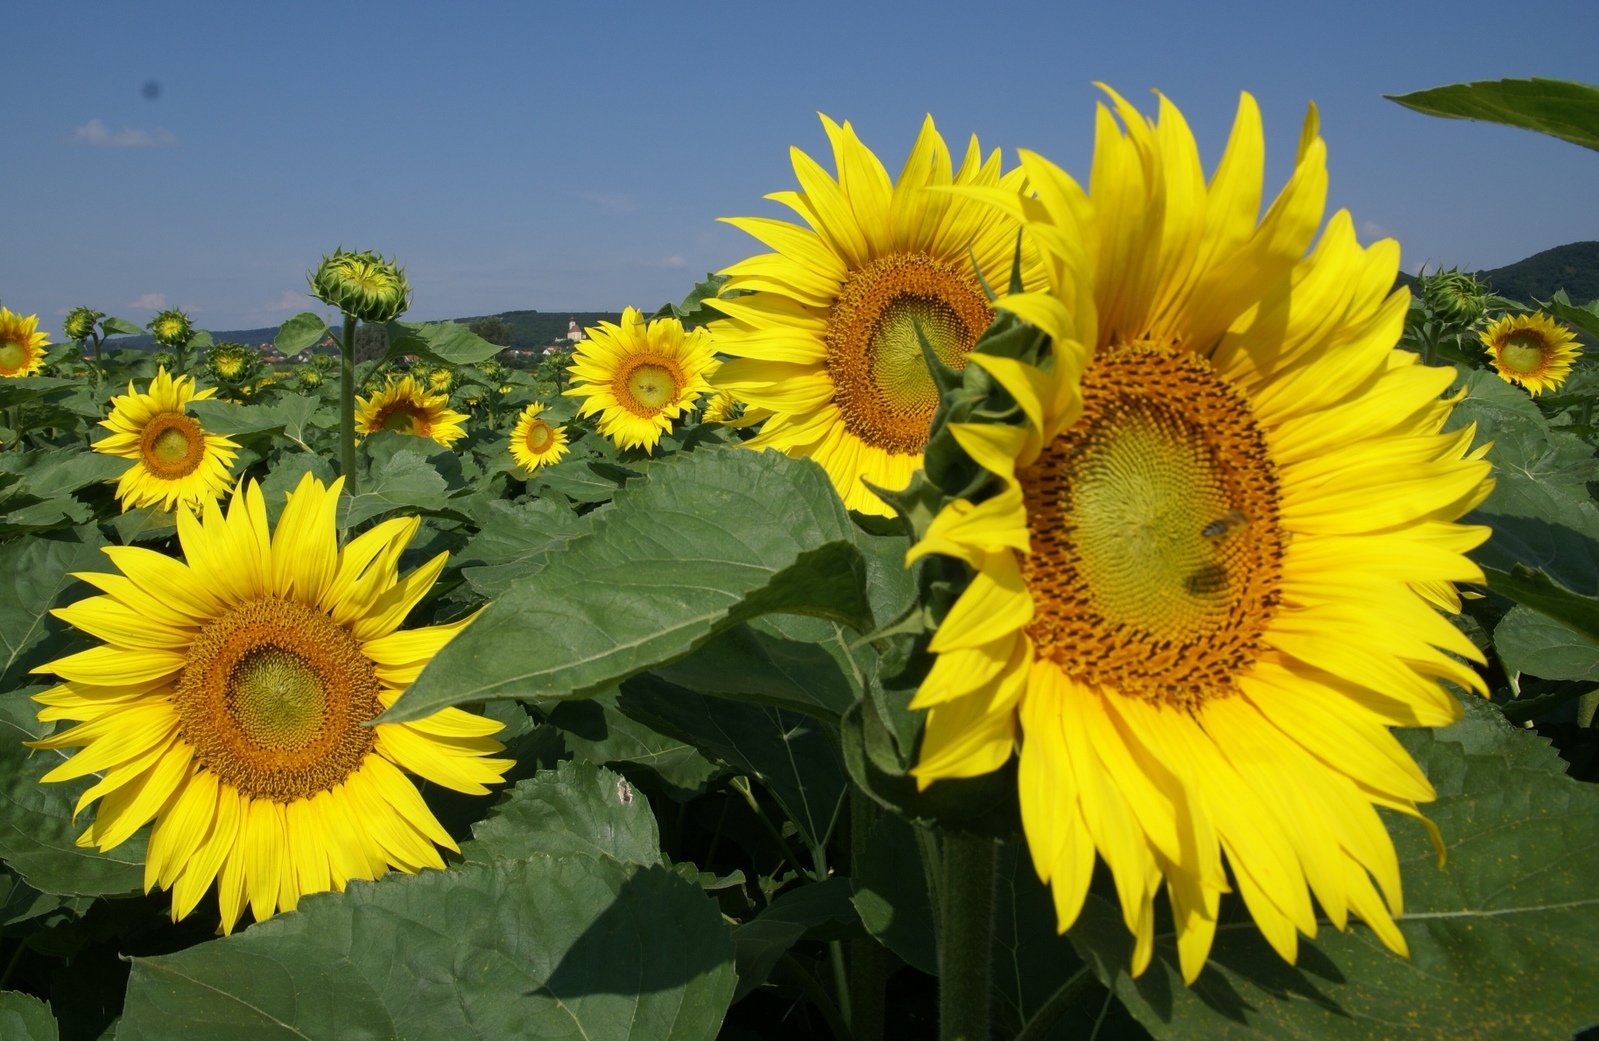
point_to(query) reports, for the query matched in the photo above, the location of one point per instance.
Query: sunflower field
(1011, 603)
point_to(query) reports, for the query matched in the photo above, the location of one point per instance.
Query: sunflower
(171, 329)
(175, 460)
(404, 405)
(21, 344)
(825, 345)
(230, 704)
(1533, 350)
(639, 376)
(1194, 599)
(534, 443)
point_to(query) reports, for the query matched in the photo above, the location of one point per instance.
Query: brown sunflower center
(538, 436)
(648, 386)
(13, 355)
(1524, 352)
(881, 383)
(172, 446)
(1157, 551)
(273, 698)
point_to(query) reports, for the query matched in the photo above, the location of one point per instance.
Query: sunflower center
(404, 419)
(648, 387)
(881, 382)
(12, 355)
(538, 435)
(1523, 352)
(1156, 545)
(172, 446)
(273, 697)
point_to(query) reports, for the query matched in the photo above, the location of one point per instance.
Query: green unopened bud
(309, 377)
(80, 323)
(1455, 298)
(324, 363)
(171, 329)
(441, 380)
(232, 363)
(164, 359)
(491, 369)
(361, 284)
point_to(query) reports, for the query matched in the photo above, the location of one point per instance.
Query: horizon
(578, 159)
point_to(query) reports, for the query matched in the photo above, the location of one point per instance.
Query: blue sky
(576, 156)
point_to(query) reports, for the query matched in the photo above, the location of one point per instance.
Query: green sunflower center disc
(1156, 545)
(273, 697)
(402, 419)
(538, 435)
(874, 357)
(172, 446)
(650, 388)
(12, 355)
(1523, 352)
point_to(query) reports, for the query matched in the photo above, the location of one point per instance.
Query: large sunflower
(21, 344)
(1533, 350)
(825, 345)
(639, 376)
(230, 700)
(534, 443)
(405, 405)
(174, 459)
(1195, 576)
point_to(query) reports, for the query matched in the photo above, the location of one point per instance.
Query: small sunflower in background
(21, 344)
(1532, 350)
(174, 459)
(441, 380)
(1194, 615)
(232, 363)
(171, 329)
(534, 443)
(639, 376)
(825, 343)
(231, 699)
(80, 323)
(405, 405)
(721, 407)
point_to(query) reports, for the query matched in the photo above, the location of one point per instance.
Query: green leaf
(1531, 642)
(893, 893)
(597, 731)
(545, 947)
(1560, 108)
(762, 940)
(25, 1018)
(288, 415)
(37, 836)
(50, 472)
(120, 327)
(577, 809)
(513, 542)
(1501, 940)
(404, 482)
(34, 573)
(749, 665)
(700, 544)
(444, 343)
(790, 754)
(295, 335)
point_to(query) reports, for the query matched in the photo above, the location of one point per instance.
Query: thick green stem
(868, 961)
(347, 407)
(965, 943)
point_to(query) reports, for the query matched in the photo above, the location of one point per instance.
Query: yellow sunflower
(1194, 605)
(174, 459)
(405, 405)
(824, 347)
(534, 443)
(639, 376)
(21, 344)
(230, 700)
(1533, 350)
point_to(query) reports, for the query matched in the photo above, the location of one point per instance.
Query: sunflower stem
(966, 908)
(868, 961)
(347, 406)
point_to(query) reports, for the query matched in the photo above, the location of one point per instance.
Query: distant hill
(528, 328)
(1573, 267)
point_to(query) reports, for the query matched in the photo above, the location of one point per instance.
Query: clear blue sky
(576, 156)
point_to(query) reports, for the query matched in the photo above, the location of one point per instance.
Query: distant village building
(573, 333)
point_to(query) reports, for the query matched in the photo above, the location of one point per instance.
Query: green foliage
(1569, 111)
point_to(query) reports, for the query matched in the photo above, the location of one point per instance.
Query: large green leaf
(405, 482)
(567, 947)
(703, 542)
(513, 542)
(1560, 108)
(749, 664)
(577, 809)
(25, 1018)
(49, 472)
(597, 731)
(34, 573)
(299, 332)
(445, 343)
(762, 940)
(1532, 642)
(37, 834)
(1501, 940)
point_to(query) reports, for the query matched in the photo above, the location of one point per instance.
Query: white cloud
(150, 302)
(1371, 231)
(291, 300)
(95, 132)
(672, 262)
(610, 203)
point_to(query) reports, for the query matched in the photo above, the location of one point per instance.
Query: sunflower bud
(171, 329)
(310, 378)
(491, 369)
(1455, 298)
(164, 360)
(80, 323)
(441, 380)
(232, 363)
(361, 284)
